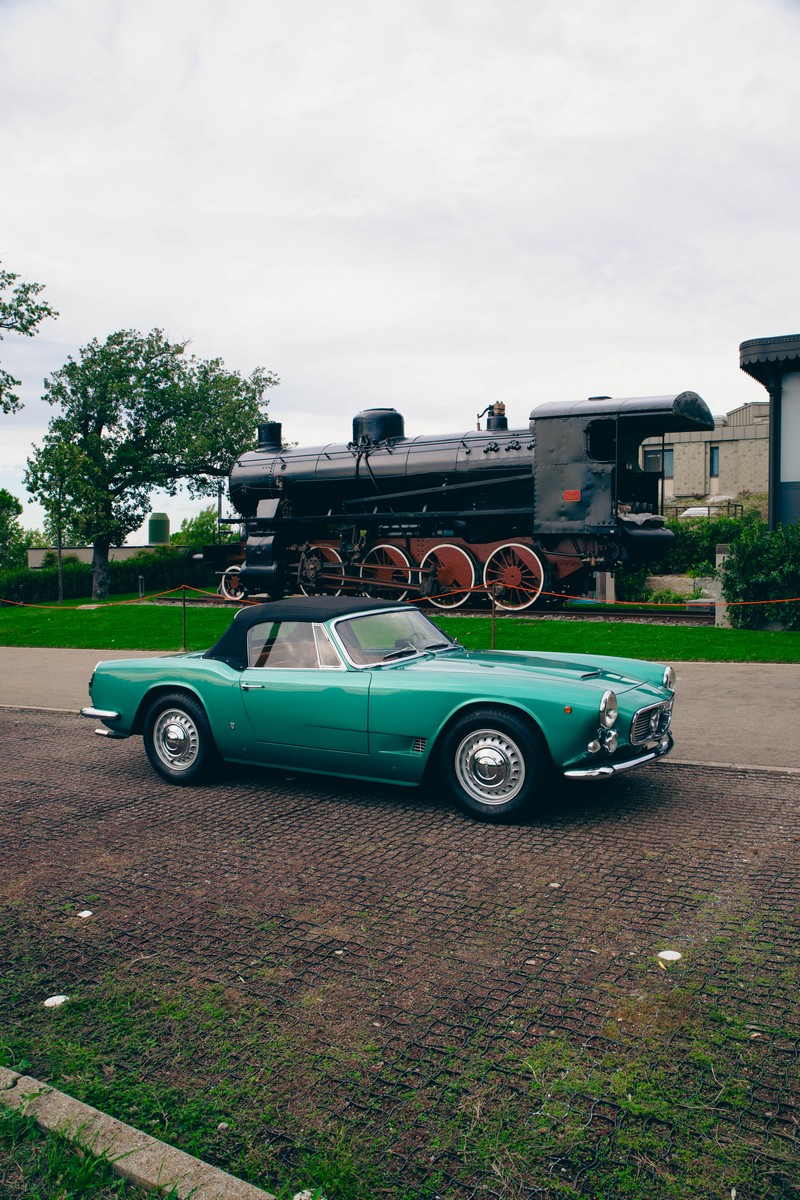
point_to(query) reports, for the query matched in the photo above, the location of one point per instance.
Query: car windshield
(384, 637)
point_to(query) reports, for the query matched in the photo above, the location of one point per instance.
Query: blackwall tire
(178, 740)
(496, 764)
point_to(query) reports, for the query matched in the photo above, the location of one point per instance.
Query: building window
(652, 461)
(713, 461)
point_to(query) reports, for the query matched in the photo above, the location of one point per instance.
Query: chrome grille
(650, 724)
(419, 745)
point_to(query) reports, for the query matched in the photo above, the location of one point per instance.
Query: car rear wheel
(178, 739)
(496, 764)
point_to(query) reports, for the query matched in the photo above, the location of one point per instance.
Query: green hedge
(162, 569)
(695, 544)
(36, 587)
(763, 565)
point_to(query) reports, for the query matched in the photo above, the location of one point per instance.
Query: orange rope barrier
(110, 603)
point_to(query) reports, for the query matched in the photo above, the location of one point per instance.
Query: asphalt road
(731, 714)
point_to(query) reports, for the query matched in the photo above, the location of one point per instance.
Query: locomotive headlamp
(669, 678)
(609, 709)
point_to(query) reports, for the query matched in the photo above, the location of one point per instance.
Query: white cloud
(430, 204)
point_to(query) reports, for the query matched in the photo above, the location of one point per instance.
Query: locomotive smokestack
(269, 436)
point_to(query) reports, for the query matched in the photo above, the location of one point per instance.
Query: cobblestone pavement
(354, 914)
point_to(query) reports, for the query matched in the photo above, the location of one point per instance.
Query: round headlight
(609, 709)
(669, 678)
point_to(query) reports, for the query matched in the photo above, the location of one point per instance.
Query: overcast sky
(427, 204)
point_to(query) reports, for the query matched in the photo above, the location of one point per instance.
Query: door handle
(253, 687)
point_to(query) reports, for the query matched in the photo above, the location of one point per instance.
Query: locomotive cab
(587, 476)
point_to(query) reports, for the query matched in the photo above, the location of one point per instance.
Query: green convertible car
(371, 689)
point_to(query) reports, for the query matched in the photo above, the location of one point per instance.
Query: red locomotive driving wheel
(386, 573)
(453, 575)
(320, 570)
(515, 574)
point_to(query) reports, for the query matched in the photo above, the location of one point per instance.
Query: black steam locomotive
(525, 513)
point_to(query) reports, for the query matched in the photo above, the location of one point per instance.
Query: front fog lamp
(609, 709)
(669, 678)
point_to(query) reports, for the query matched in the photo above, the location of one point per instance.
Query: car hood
(600, 671)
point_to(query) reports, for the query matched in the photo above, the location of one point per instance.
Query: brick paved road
(418, 928)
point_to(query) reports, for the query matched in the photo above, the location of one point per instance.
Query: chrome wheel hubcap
(490, 767)
(176, 739)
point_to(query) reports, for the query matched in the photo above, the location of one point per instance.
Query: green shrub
(161, 569)
(763, 566)
(39, 586)
(694, 544)
(630, 582)
(666, 596)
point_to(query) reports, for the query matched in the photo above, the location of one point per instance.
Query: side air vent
(419, 745)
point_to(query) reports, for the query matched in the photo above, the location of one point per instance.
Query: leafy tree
(20, 312)
(138, 413)
(54, 475)
(201, 530)
(14, 540)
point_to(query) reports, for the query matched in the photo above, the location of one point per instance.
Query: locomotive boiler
(527, 514)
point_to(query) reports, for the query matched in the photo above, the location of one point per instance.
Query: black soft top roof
(232, 646)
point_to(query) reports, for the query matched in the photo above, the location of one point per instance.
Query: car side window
(328, 657)
(283, 645)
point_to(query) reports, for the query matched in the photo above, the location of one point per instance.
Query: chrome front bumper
(100, 714)
(608, 769)
(104, 714)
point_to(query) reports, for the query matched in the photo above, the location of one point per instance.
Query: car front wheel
(178, 739)
(496, 764)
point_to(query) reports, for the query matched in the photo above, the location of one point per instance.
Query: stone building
(733, 458)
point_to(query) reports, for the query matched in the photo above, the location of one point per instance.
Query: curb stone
(145, 1161)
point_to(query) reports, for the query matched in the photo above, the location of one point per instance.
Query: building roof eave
(767, 358)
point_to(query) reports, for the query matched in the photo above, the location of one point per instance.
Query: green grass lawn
(144, 626)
